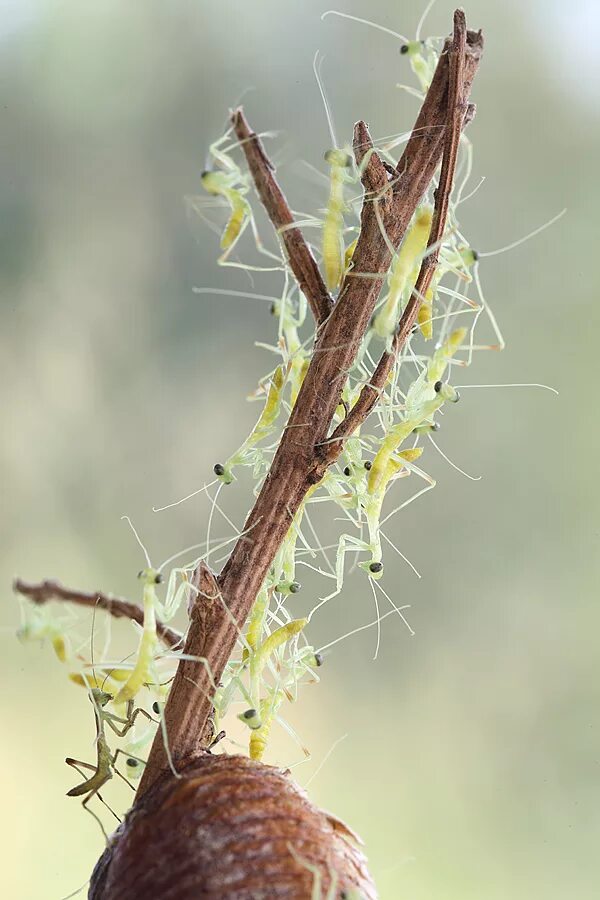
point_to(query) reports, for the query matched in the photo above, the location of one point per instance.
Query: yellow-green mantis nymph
(340, 163)
(425, 396)
(403, 274)
(38, 623)
(422, 54)
(226, 181)
(142, 670)
(149, 638)
(247, 454)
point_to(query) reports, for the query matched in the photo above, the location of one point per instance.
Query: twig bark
(299, 461)
(460, 114)
(47, 590)
(302, 262)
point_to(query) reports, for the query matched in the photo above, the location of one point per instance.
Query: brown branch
(116, 606)
(301, 260)
(459, 113)
(390, 199)
(185, 717)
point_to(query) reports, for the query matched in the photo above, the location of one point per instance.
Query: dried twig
(299, 461)
(459, 114)
(302, 262)
(116, 606)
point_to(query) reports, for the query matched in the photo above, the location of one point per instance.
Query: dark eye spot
(133, 763)
(368, 465)
(218, 469)
(294, 587)
(318, 659)
(156, 708)
(404, 49)
(438, 386)
(250, 714)
(475, 255)
(141, 573)
(158, 579)
(376, 567)
(347, 471)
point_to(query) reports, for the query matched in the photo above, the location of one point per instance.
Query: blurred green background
(471, 765)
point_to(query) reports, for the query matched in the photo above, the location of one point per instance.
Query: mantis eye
(376, 567)
(318, 659)
(294, 587)
(132, 763)
(251, 718)
(404, 49)
(438, 386)
(158, 579)
(218, 469)
(368, 465)
(347, 471)
(156, 708)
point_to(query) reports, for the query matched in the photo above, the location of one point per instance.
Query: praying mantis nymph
(222, 184)
(333, 248)
(247, 453)
(421, 53)
(105, 758)
(423, 60)
(427, 394)
(38, 624)
(258, 659)
(340, 163)
(227, 181)
(403, 274)
(148, 641)
(289, 674)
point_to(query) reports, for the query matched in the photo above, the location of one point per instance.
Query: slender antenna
(334, 12)
(317, 63)
(526, 238)
(138, 539)
(546, 387)
(426, 12)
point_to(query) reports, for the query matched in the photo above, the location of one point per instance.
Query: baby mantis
(228, 182)
(141, 672)
(424, 398)
(422, 54)
(403, 274)
(148, 641)
(38, 624)
(340, 162)
(105, 758)
(247, 455)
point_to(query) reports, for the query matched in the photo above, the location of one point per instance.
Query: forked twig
(118, 607)
(304, 451)
(459, 114)
(302, 262)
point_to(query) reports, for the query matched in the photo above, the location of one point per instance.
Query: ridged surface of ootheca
(231, 829)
